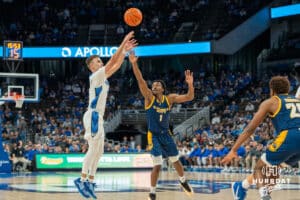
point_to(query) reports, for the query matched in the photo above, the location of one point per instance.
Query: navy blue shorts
(285, 148)
(162, 144)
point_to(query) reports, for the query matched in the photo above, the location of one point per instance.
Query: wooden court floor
(131, 185)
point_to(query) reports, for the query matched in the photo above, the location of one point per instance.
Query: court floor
(132, 185)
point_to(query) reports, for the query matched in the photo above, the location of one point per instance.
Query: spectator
(18, 156)
(249, 107)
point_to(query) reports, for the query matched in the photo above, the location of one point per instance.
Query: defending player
(283, 109)
(157, 106)
(93, 117)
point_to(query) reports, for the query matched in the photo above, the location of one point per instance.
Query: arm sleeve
(98, 77)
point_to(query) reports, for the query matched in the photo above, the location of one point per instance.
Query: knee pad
(173, 158)
(157, 160)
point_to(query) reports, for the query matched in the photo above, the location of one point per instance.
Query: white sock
(245, 184)
(152, 190)
(263, 191)
(182, 179)
(83, 179)
(91, 180)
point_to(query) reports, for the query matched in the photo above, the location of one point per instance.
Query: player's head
(279, 85)
(94, 63)
(158, 87)
(297, 71)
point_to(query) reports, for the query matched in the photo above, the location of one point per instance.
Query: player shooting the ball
(93, 117)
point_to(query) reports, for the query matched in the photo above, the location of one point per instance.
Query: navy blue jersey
(158, 115)
(287, 116)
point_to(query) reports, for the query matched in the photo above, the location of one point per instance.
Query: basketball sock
(245, 184)
(83, 179)
(263, 191)
(91, 180)
(182, 179)
(152, 190)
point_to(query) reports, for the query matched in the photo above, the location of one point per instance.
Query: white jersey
(99, 87)
(298, 93)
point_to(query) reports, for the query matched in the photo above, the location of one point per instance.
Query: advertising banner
(5, 165)
(74, 161)
(66, 52)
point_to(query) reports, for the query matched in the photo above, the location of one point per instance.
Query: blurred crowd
(44, 22)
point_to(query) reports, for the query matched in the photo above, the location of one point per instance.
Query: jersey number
(160, 117)
(295, 109)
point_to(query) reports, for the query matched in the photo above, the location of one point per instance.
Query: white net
(19, 103)
(19, 99)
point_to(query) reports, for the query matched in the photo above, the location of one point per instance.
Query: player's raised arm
(117, 59)
(189, 96)
(146, 92)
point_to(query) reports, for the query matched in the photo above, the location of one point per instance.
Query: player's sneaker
(187, 188)
(81, 188)
(90, 188)
(239, 193)
(152, 196)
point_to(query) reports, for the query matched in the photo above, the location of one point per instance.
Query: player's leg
(171, 150)
(280, 151)
(156, 154)
(87, 161)
(98, 145)
(88, 158)
(239, 189)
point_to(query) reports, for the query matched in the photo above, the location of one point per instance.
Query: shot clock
(13, 50)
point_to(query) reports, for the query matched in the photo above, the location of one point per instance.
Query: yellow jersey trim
(163, 99)
(149, 139)
(278, 108)
(278, 141)
(168, 102)
(151, 103)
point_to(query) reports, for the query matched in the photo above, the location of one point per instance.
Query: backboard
(23, 84)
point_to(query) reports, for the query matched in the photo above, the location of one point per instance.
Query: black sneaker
(152, 196)
(187, 188)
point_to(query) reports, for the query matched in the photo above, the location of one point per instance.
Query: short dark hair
(163, 84)
(280, 84)
(89, 59)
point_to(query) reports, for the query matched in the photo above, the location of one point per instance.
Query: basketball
(133, 17)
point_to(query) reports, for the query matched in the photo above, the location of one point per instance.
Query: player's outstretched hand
(132, 57)
(189, 77)
(129, 45)
(231, 155)
(128, 37)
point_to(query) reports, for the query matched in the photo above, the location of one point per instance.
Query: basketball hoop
(19, 99)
